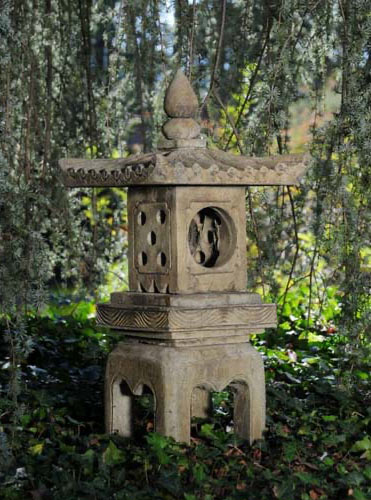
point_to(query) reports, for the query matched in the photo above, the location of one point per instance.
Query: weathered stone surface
(207, 318)
(163, 256)
(186, 166)
(180, 99)
(193, 300)
(173, 374)
(166, 145)
(181, 128)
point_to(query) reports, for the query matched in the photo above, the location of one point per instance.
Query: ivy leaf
(207, 430)
(113, 455)
(159, 443)
(363, 445)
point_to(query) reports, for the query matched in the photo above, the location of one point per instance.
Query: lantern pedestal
(181, 379)
(182, 347)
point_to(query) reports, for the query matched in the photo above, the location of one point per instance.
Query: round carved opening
(211, 237)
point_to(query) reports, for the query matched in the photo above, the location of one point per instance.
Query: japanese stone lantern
(187, 317)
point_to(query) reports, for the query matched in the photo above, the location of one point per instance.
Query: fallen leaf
(233, 452)
(313, 495)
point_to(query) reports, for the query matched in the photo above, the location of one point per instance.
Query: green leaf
(88, 461)
(329, 461)
(290, 450)
(333, 439)
(25, 420)
(358, 495)
(159, 443)
(367, 472)
(199, 472)
(355, 478)
(207, 430)
(362, 445)
(113, 455)
(306, 478)
(329, 418)
(362, 375)
(36, 449)
(157, 440)
(285, 325)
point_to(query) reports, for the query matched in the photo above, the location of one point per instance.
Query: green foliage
(317, 444)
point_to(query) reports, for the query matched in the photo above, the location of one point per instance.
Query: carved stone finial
(180, 99)
(181, 105)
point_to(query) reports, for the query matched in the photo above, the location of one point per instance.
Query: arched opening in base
(227, 410)
(133, 412)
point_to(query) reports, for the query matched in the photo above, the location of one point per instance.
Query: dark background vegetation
(86, 78)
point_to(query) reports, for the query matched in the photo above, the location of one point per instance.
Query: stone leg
(122, 409)
(249, 401)
(201, 403)
(125, 377)
(173, 415)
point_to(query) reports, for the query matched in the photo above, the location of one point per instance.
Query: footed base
(181, 380)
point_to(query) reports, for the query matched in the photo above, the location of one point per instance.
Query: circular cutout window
(211, 237)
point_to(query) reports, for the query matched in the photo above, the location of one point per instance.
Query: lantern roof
(183, 158)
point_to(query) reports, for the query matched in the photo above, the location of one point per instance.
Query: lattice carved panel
(152, 238)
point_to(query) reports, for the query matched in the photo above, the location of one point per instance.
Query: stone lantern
(187, 317)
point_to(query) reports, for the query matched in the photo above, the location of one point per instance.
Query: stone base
(181, 380)
(187, 319)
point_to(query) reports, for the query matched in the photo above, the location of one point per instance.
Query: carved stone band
(158, 319)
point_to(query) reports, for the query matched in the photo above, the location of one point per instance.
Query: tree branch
(251, 85)
(293, 264)
(190, 55)
(217, 56)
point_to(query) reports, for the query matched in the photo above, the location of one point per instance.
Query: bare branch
(229, 118)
